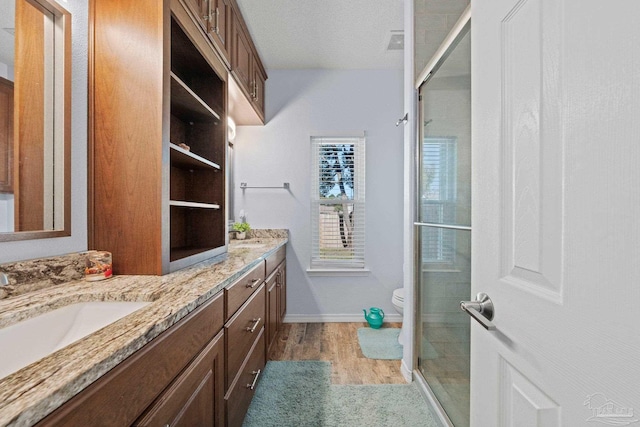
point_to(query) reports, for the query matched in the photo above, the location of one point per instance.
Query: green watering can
(375, 317)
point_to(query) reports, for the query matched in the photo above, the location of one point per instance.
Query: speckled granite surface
(35, 391)
(31, 275)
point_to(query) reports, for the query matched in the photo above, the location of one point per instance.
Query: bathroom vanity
(192, 355)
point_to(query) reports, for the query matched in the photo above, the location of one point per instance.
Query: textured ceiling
(324, 34)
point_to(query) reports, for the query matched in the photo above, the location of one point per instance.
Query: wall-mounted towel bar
(244, 185)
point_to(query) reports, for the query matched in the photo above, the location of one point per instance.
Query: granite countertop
(30, 394)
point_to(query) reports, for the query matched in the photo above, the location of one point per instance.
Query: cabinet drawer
(236, 294)
(238, 399)
(242, 331)
(121, 395)
(275, 259)
(196, 397)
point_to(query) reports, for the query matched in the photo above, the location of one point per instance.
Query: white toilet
(398, 303)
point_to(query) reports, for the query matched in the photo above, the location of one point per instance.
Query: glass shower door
(443, 232)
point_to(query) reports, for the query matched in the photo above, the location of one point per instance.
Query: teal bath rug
(380, 343)
(300, 394)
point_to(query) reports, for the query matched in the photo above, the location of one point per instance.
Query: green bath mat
(380, 343)
(300, 394)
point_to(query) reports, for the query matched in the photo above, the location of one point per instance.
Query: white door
(556, 212)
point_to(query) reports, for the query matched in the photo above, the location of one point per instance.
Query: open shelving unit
(197, 175)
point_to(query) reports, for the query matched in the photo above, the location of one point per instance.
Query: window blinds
(338, 202)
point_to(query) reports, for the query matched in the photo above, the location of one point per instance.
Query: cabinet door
(282, 287)
(219, 28)
(257, 96)
(273, 295)
(196, 398)
(242, 57)
(200, 9)
(242, 390)
(6, 136)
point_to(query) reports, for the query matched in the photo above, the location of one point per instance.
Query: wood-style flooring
(337, 343)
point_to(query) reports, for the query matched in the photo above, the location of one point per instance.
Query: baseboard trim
(332, 318)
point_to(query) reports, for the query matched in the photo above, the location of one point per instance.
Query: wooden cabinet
(6, 136)
(242, 331)
(243, 388)
(238, 292)
(242, 58)
(196, 397)
(276, 285)
(139, 382)
(259, 78)
(246, 67)
(282, 292)
(213, 16)
(272, 308)
(158, 138)
(219, 28)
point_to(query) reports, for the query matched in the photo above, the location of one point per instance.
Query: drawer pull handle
(255, 325)
(253, 283)
(255, 379)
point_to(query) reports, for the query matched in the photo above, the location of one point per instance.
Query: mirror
(35, 88)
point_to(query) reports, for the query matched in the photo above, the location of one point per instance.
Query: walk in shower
(443, 229)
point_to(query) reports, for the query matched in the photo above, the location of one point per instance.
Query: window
(439, 158)
(337, 203)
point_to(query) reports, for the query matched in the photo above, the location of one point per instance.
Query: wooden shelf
(183, 204)
(184, 252)
(188, 106)
(186, 159)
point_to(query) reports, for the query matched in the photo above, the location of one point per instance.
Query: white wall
(13, 251)
(301, 103)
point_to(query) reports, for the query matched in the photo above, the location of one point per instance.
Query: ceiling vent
(396, 40)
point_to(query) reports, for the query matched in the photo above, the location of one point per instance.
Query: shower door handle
(481, 310)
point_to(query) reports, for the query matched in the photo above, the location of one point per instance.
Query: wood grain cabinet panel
(237, 293)
(157, 205)
(119, 397)
(272, 308)
(239, 397)
(242, 58)
(242, 330)
(219, 28)
(282, 292)
(196, 397)
(6, 136)
(199, 8)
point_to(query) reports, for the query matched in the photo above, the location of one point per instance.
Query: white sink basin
(30, 340)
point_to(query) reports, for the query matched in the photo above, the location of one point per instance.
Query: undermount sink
(33, 339)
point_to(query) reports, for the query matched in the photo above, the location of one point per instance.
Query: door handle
(481, 310)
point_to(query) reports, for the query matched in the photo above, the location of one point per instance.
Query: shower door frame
(459, 30)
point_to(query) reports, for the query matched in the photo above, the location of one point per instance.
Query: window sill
(338, 271)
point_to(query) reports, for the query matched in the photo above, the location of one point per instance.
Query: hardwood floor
(337, 343)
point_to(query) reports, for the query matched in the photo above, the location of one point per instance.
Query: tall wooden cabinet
(6, 136)
(158, 132)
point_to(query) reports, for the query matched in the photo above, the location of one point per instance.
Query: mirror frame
(62, 23)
